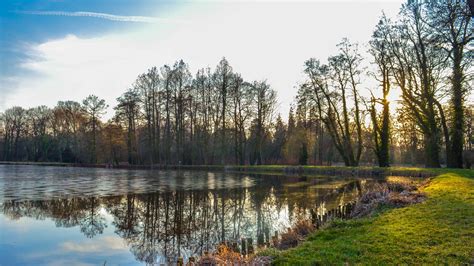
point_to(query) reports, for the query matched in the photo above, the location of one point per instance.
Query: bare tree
(417, 65)
(39, 119)
(148, 86)
(223, 80)
(265, 100)
(241, 101)
(15, 121)
(333, 86)
(381, 125)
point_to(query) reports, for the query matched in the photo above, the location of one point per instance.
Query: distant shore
(279, 169)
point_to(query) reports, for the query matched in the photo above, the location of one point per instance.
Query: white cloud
(103, 245)
(261, 41)
(79, 251)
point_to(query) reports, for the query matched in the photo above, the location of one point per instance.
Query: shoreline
(436, 231)
(265, 169)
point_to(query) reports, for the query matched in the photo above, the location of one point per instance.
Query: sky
(54, 50)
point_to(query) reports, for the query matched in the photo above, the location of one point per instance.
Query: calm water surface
(80, 216)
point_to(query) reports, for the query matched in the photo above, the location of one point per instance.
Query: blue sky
(49, 52)
(19, 29)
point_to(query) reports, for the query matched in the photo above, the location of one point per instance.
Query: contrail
(99, 15)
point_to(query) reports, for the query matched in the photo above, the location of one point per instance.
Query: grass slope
(437, 231)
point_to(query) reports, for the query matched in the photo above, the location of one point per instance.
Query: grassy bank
(437, 231)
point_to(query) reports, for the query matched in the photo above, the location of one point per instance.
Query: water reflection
(185, 217)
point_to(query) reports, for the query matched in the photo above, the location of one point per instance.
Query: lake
(81, 216)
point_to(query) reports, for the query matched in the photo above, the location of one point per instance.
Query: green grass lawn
(437, 231)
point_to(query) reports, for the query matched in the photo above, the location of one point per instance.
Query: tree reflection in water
(167, 224)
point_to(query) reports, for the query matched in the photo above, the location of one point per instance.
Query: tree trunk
(432, 150)
(456, 147)
(385, 136)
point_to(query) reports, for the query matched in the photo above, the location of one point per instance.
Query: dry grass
(392, 194)
(370, 201)
(294, 235)
(225, 255)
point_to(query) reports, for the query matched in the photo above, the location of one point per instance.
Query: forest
(170, 116)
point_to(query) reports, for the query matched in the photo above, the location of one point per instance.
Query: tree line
(170, 116)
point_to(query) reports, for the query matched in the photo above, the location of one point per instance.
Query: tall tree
(265, 100)
(203, 88)
(39, 121)
(417, 65)
(167, 76)
(181, 87)
(241, 101)
(334, 85)
(279, 139)
(223, 80)
(94, 108)
(68, 126)
(452, 26)
(127, 111)
(381, 125)
(15, 122)
(148, 86)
